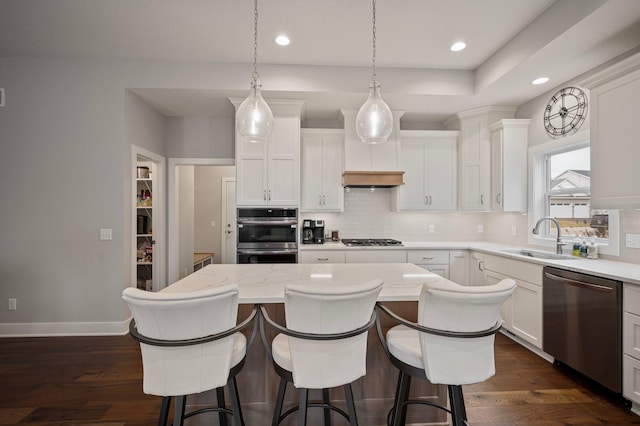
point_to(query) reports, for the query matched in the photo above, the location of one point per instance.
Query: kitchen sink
(540, 254)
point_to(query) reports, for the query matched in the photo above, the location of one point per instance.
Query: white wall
(201, 137)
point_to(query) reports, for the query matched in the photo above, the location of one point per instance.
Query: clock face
(565, 112)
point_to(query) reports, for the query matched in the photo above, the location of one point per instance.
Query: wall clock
(565, 112)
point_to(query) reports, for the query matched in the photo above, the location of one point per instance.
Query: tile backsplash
(367, 214)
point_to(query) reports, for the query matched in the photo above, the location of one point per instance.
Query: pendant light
(254, 119)
(374, 122)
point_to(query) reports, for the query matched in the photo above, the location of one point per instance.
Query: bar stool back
(190, 344)
(324, 344)
(452, 344)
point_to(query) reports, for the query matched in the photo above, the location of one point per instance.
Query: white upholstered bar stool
(452, 343)
(324, 344)
(190, 344)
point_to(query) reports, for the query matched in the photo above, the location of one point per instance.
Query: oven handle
(285, 251)
(590, 286)
(268, 222)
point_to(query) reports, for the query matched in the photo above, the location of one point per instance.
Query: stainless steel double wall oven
(267, 235)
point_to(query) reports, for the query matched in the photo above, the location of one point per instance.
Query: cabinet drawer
(631, 335)
(321, 256)
(632, 298)
(376, 256)
(428, 257)
(631, 378)
(517, 269)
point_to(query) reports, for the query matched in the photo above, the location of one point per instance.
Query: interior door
(229, 211)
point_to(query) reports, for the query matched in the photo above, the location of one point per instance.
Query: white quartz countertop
(622, 271)
(264, 283)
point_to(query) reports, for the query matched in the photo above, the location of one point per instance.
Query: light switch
(432, 229)
(632, 241)
(106, 234)
(213, 223)
(480, 229)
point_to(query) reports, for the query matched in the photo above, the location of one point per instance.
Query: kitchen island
(265, 283)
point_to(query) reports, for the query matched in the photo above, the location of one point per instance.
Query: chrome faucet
(559, 242)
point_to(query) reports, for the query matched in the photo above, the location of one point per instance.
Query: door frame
(173, 233)
(223, 242)
(159, 265)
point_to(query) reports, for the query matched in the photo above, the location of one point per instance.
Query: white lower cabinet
(459, 266)
(321, 256)
(436, 261)
(376, 256)
(476, 268)
(631, 345)
(522, 313)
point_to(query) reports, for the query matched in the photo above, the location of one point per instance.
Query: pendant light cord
(255, 74)
(374, 43)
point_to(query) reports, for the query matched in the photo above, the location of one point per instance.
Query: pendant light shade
(374, 122)
(254, 119)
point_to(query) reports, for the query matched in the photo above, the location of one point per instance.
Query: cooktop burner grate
(371, 242)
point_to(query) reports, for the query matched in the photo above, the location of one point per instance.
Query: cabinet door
(527, 312)
(312, 167)
(251, 173)
(496, 170)
(506, 312)
(440, 173)
(615, 107)
(476, 268)
(442, 270)
(332, 168)
(412, 193)
(283, 163)
(474, 159)
(459, 267)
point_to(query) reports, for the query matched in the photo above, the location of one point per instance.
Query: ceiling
(509, 43)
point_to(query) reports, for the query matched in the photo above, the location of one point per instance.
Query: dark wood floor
(98, 381)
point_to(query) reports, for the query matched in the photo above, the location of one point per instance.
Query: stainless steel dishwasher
(582, 323)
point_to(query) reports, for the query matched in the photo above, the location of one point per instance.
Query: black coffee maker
(312, 231)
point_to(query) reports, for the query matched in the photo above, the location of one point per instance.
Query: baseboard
(51, 329)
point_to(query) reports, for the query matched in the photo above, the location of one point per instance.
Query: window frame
(539, 175)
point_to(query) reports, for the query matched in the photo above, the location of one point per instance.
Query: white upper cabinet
(615, 108)
(509, 143)
(428, 159)
(269, 173)
(474, 155)
(322, 167)
(359, 156)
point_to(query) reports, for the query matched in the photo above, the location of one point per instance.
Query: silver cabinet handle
(269, 196)
(499, 198)
(323, 259)
(430, 200)
(481, 265)
(426, 200)
(264, 195)
(482, 199)
(427, 258)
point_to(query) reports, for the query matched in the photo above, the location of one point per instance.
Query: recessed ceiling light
(540, 80)
(283, 40)
(458, 46)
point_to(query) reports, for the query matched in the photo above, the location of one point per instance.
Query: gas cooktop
(371, 242)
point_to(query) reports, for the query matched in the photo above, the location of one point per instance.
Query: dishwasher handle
(595, 287)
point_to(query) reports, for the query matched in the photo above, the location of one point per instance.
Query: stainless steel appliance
(371, 242)
(312, 231)
(267, 235)
(582, 323)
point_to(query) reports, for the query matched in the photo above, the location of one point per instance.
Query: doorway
(148, 220)
(200, 201)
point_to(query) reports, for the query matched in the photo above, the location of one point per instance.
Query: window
(561, 179)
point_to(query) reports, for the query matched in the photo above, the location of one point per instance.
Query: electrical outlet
(432, 229)
(480, 229)
(106, 234)
(213, 223)
(514, 231)
(13, 304)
